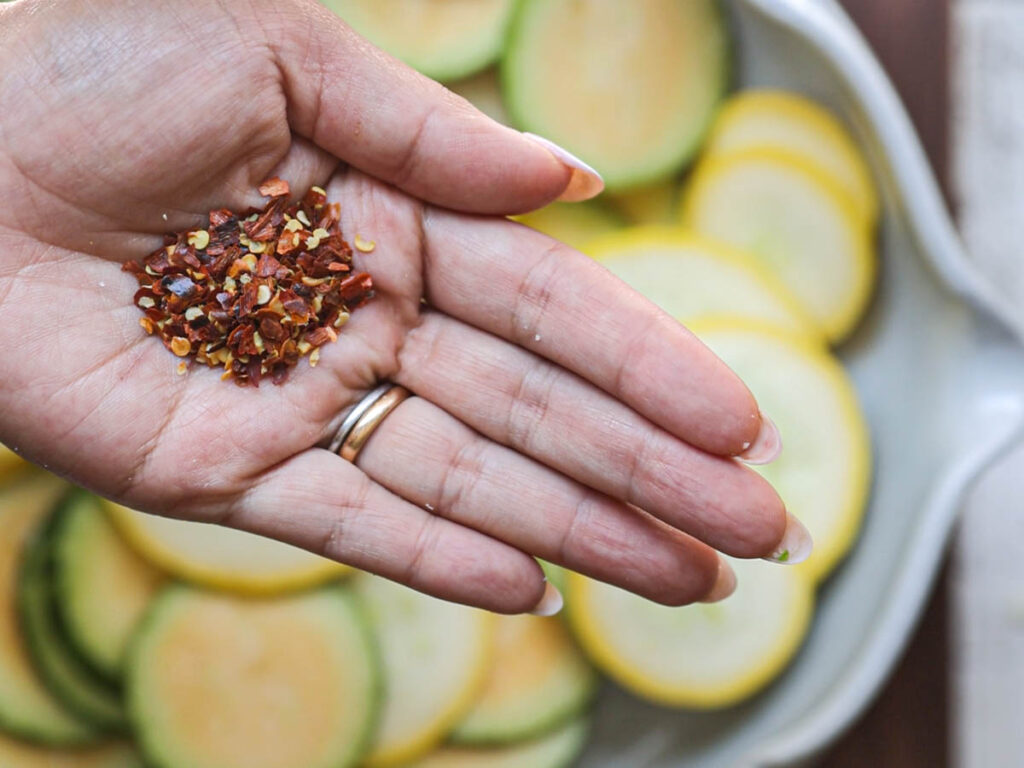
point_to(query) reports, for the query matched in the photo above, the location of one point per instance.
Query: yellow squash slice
(699, 656)
(435, 657)
(220, 557)
(824, 472)
(691, 277)
(767, 119)
(787, 212)
(575, 224)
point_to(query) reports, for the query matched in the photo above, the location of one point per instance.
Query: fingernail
(584, 183)
(766, 446)
(725, 584)
(796, 544)
(550, 602)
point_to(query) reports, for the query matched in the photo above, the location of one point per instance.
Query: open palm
(553, 404)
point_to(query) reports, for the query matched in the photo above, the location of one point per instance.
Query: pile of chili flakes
(254, 292)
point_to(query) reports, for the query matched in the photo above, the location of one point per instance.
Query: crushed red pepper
(253, 292)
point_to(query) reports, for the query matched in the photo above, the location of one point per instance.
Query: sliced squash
(558, 749)
(216, 681)
(443, 39)
(435, 657)
(101, 585)
(575, 224)
(824, 472)
(699, 656)
(787, 212)
(691, 277)
(225, 558)
(629, 87)
(77, 686)
(20, 754)
(538, 680)
(27, 708)
(767, 119)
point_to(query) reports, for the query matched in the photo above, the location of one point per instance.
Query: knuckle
(535, 292)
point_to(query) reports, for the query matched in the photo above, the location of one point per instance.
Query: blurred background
(614, 682)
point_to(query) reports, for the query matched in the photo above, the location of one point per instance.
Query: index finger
(377, 114)
(542, 295)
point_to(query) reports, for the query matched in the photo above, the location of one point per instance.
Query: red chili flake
(255, 291)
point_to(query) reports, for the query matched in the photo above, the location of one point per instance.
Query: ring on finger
(364, 418)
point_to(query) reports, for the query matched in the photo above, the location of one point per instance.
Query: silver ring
(357, 412)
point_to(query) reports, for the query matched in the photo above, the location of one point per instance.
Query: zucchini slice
(76, 685)
(538, 681)
(101, 586)
(692, 277)
(27, 708)
(223, 558)
(575, 224)
(558, 749)
(630, 87)
(443, 39)
(20, 754)
(698, 656)
(435, 655)
(215, 681)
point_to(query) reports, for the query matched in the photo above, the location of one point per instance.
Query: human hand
(553, 403)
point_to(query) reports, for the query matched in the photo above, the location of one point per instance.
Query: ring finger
(425, 455)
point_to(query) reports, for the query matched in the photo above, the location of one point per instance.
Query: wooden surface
(908, 725)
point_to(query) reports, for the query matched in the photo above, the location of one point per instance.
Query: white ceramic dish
(940, 369)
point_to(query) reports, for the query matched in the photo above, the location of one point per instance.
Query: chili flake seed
(199, 239)
(255, 291)
(180, 346)
(366, 246)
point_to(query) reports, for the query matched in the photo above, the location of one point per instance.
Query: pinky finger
(322, 503)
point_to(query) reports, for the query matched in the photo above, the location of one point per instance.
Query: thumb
(377, 114)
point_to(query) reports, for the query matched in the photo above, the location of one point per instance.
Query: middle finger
(523, 401)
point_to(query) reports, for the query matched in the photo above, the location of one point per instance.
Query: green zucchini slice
(443, 39)
(102, 587)
(558, 749)
(630, 87)
(435, 657)
(27, 708)
(218, 681)
(538, 681)
(77, 686)
(21, 754)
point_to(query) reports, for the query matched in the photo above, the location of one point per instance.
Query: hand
(553, 404)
